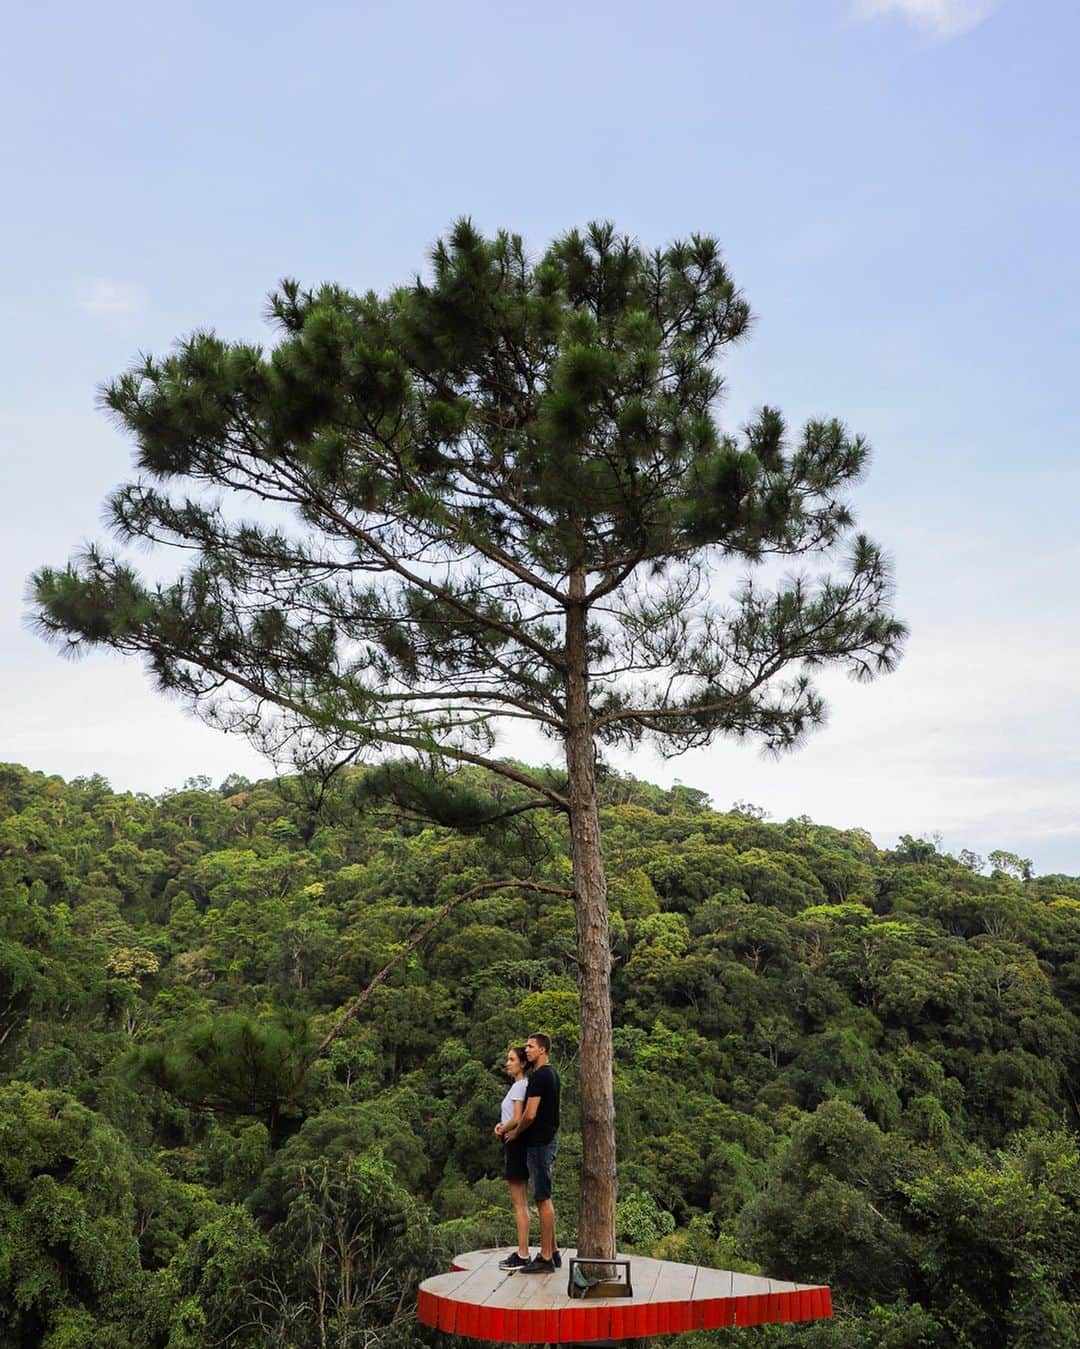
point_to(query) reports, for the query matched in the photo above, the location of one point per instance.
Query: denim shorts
(541, 1164)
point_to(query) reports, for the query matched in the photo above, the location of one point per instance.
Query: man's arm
(532, 1105)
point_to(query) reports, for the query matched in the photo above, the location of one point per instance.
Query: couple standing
(529, 1129)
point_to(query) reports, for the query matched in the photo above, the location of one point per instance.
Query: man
(539, 1123)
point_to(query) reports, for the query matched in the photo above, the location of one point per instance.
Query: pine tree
(499, 495)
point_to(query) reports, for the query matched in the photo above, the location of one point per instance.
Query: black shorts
(514, 1157)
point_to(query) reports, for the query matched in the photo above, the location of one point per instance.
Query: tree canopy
(833, 1062)
(450, 456)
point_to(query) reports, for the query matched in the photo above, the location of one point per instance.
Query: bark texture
(596, 1220)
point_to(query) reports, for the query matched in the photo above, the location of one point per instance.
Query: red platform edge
(618, 1322)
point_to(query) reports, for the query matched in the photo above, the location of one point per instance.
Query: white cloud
(939, 18)
(103, 296)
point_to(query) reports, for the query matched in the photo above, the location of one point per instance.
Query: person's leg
(519, 1199)
(546, 1210)
(541, 1164)
(517, 1179)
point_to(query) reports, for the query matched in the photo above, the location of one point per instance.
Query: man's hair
(544, 1041)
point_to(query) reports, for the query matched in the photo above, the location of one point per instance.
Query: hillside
(834, 1063)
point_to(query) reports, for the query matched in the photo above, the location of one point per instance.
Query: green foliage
(451, 458)
(350, 1217)
(831, 1209)
(69, 1259)
(640, 1222)
(865, 1080)
(233, 1064)
(218, 1284)
(1001, 1243)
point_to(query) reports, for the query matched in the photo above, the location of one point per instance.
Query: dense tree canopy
(832, 1062)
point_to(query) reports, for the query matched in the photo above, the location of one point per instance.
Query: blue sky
(895, 186)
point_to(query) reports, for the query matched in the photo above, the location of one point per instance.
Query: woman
(517, 1175)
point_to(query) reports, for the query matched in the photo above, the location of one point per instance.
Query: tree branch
(358, 1002)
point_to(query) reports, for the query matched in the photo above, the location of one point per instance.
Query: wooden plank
(645, 1275)
(466, 1283)
(447, 1315)
(719, 1313)
(490, 1255)
(504, 1290)
(530, 1291)
(804, 1305)
(714, 1308)
(427, 1308)
(597, 1321)
(672, 1291)
(748, 1285)
(674, 1283)
(712, 1283)
(538, 1325)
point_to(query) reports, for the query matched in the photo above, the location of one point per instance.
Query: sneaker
(556, 1259)
(514, 1261)
(538, 1265)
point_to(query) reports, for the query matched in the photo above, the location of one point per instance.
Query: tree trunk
(596, 1221)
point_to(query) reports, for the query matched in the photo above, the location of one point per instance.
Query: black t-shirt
(543, 1082)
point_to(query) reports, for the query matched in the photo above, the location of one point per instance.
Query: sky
(894, 183)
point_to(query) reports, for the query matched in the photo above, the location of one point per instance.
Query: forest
(833, 1062)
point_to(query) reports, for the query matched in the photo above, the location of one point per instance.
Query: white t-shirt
(516, 1093)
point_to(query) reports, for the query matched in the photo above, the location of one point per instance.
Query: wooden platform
(483, 1302)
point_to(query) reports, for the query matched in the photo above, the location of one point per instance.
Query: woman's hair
(519, 1050)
